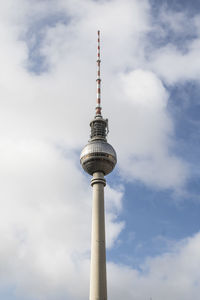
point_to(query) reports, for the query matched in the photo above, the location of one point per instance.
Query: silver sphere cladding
(98, 156)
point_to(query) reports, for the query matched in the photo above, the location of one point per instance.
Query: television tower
(98, 158)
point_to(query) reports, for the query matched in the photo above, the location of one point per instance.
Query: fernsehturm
(98, 158)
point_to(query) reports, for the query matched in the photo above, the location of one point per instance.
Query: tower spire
(98, 105)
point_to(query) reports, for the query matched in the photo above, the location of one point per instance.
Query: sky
(150, 93)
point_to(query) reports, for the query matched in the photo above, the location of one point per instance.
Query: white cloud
(173, 275)
(146, 133)
(177, 58)
(173, 65)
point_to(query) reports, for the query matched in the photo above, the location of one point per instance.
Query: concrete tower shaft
(98, 158)
(98, 282)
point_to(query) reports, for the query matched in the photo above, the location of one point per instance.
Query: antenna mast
(98, 106)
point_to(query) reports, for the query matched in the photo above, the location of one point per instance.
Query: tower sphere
(98, 156)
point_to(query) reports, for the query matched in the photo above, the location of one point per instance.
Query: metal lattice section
(99, 129)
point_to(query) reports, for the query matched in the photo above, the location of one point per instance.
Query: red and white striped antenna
(98, 106)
